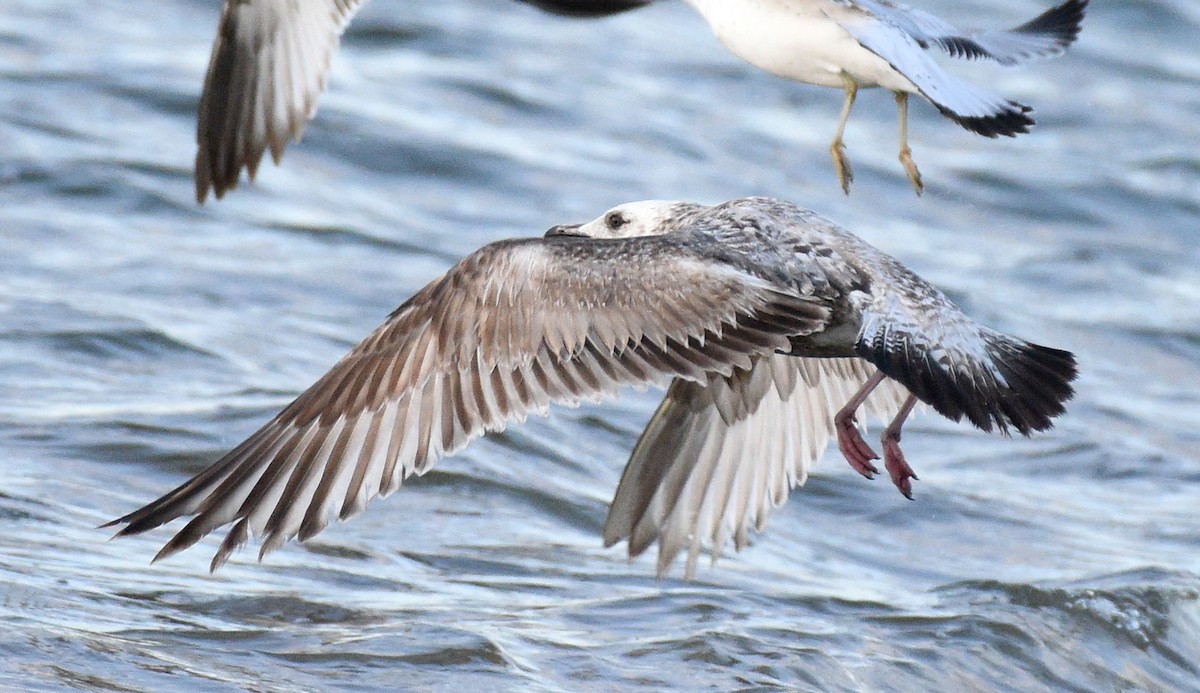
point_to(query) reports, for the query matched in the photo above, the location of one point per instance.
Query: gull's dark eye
(615, 220)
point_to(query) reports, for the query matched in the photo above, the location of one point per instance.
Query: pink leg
(850, 441)
(893, 458)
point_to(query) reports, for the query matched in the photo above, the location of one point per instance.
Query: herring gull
(270, 60)
(773, 329)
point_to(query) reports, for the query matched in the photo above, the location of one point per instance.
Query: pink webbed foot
(893, 457)
(850, 441)
(854, 448)
(897, 467)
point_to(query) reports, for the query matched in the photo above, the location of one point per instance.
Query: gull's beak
(564, 230)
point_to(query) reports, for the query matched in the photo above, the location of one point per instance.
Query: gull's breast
(800, 41)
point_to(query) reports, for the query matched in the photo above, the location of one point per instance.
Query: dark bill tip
(564, 230)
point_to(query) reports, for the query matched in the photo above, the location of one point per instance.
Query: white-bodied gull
(271, 57)
(773, 327)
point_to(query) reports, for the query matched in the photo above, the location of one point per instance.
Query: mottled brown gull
(773, 327)
(270, 60)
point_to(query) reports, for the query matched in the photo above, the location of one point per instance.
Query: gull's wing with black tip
(587, 8)
(1050, 33)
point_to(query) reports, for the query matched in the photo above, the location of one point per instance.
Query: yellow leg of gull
(841, 165)
(910, 167)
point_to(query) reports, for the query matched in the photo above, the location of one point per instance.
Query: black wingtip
(587, 8)
(1063, 22)
(1012, 120)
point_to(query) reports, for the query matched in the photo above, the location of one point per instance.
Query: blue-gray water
(141, 336)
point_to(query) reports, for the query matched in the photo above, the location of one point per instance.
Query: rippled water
(141, 336)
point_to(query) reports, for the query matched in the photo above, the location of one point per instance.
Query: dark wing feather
(1050, 33)
(973, 107)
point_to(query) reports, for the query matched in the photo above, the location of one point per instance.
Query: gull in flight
(271, 58)
(773, 329)
(851, 44)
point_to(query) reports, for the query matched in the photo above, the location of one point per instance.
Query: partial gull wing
(1050, 33)
(975, 108)
(718, 456)
(507, 331)
(268, 69)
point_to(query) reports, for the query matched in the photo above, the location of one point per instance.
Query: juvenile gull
(271, 57)
(773, 327)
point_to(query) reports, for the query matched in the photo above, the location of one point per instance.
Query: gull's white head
(645, 218)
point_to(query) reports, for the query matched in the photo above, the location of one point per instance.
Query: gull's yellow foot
(841, 165)
(910, 167)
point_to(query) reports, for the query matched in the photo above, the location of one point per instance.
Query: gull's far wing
(719, 455)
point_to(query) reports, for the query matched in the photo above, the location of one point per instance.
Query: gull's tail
(994, 381)
(995, 116)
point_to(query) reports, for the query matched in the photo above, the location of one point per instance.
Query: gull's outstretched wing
(718, 456)
(1047, 34)
(507, 331)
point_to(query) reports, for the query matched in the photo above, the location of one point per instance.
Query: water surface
(141, 336)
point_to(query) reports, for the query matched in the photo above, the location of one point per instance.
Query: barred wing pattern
(509, 330)
(718, 456)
